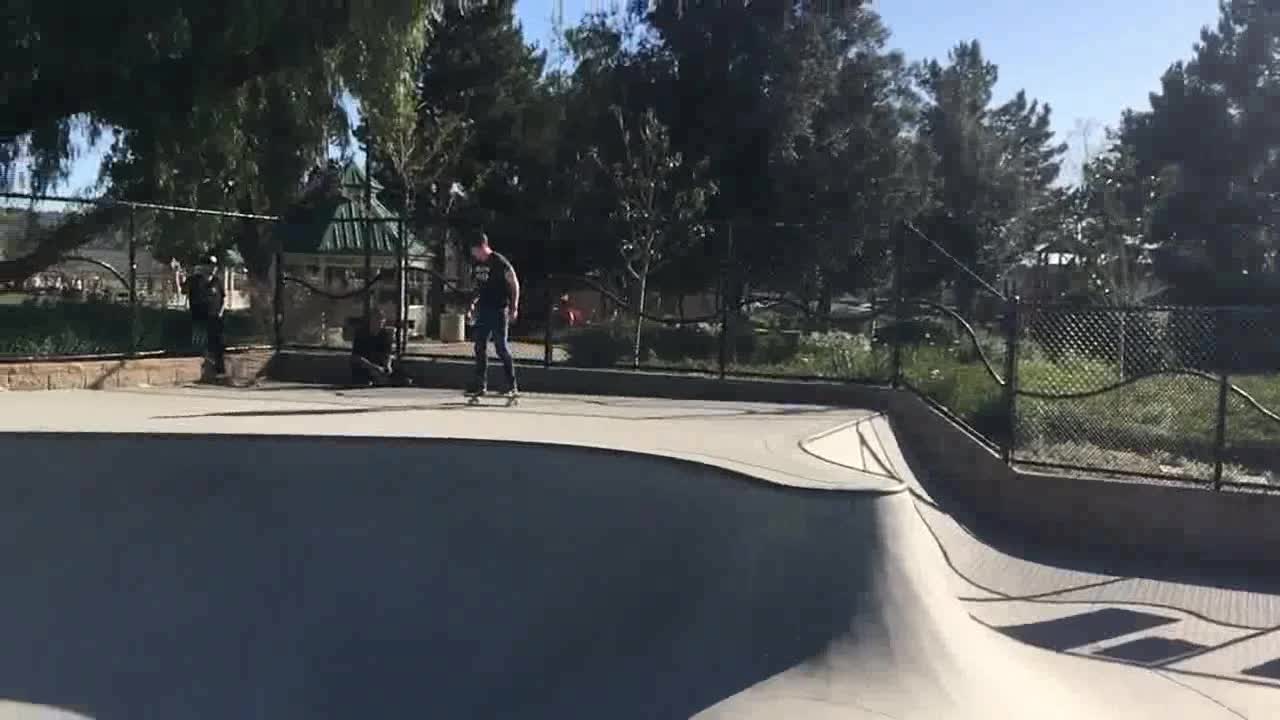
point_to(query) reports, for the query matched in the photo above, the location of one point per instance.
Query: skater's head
(480, 249)
(207, 265)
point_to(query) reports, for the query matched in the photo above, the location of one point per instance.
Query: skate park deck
(289, 551)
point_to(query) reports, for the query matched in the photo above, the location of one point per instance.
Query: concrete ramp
(192, 577)
(177, 575)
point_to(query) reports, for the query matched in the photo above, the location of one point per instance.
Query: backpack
(200, 293)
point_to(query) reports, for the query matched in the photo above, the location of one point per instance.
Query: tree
(746, 82)
(1114, 209)
(476, 135)
(1211, 137)
(988, 169)
(799, 110)
(844, 182)
(170, 77)
(615, 68)
(661, 204)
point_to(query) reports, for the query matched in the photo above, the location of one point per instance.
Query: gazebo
(326, 245)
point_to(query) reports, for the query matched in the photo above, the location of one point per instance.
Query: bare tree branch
(53, 244)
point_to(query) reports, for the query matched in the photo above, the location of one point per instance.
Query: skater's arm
(513, 284)
(475, 300)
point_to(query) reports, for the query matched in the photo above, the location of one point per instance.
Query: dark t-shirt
(373, 346)
(489, 278)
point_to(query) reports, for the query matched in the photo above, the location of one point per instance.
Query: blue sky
(1089, 59)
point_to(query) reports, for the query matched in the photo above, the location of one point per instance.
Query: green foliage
(795, 121)
(211, 104)
(841, 355)
(1199, 170)
(916, 331)
(986, 170)
(137, 66)
(598, 346)
(75, 328)
(964, 388)
(673, 345)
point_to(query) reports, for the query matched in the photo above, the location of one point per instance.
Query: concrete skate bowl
(181, 577)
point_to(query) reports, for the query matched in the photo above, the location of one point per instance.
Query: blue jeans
(492, 322)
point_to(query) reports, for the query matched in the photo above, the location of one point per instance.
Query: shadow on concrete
(530, 406)
(293, 413)
(198, 577)
(1088, 555)
(101, 381)
(1064, 633)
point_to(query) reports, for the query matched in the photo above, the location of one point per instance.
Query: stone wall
(106, 374)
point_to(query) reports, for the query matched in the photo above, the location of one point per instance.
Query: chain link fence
(1154, 392)
(1128, 389)
(116, 283)
(1180, 393)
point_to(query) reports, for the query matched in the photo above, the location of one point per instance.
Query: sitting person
(373, 351)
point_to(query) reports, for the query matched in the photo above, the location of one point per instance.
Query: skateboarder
(494, 306)
(372, 351)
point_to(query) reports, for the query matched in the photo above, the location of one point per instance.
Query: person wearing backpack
(207, 301)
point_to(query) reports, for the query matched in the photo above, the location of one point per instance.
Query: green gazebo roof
(338, 223)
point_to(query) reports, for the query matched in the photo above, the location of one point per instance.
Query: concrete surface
(1142, 524)
(293, 552)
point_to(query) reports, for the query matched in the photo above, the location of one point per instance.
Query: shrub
(776, 348)
(841, 355)
(965, 389)
(991, 342)
(73, 328)
(685, 342)
(599, 346)
(916, 331)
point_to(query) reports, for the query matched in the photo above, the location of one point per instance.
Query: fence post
(278, 301)
(402, 329)
(726, 265)
(1224, 388)
(368, 269)
(367, 225)
(547, 350)
(133, 284)
(1011, 373)
(899, 305)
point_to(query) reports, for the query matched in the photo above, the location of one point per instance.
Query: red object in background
(569, 315)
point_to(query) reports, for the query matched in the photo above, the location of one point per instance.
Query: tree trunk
(256, 246)
(825, 301)
(644, 289)
(435, 280)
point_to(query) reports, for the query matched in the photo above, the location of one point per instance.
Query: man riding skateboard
(494, 306)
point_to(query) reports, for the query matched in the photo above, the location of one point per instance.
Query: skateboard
(381, 378)
(473, 398)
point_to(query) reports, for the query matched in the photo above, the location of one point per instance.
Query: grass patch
(1162, 424)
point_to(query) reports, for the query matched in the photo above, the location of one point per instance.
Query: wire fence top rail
(136, 204)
